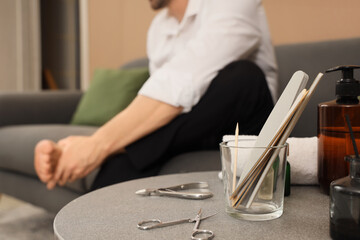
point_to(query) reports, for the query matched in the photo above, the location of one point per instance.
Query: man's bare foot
(46, 156)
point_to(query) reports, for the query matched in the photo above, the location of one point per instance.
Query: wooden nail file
(286, 133)
(296, 84)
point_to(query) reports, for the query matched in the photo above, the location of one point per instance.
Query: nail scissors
(174, 191)
(197, 234)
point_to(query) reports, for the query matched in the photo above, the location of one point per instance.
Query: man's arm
(143, 116)
(81, 155)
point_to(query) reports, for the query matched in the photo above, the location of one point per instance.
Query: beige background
(117, 28)
(20, 64)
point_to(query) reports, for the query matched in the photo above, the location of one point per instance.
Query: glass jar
(345, 203)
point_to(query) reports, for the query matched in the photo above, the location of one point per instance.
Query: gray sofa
(26, 118)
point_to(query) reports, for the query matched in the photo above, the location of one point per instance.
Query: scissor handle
(149, 224)
(157, 223)
(209, 234)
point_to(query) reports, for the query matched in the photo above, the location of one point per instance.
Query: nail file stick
(236, 156)
(286, 134)
(272, 124)
(259, 165)
(271, 153)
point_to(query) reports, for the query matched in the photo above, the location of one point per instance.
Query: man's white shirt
(184, 57)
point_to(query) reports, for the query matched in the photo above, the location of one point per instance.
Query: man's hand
(80, 156)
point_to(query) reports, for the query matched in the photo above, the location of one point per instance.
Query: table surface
(113, 213)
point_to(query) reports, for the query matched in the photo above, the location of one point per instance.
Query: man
(212, 65)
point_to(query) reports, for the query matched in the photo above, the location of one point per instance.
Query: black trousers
(238, 94)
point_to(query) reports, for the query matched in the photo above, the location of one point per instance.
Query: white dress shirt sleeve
(229, 31)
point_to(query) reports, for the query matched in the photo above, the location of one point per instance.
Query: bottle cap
(347, 87)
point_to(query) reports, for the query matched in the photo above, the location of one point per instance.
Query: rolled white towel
(302, 158)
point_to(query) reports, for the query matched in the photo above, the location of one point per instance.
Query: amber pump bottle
(334, 142)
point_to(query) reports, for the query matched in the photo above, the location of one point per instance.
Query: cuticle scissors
(196, 234)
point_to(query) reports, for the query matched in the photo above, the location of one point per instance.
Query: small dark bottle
(345, 204)
(334, 141)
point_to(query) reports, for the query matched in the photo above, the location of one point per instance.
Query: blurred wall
(117, 31)
(20, 60)
(293, 21)
(8, 46)
(117, 28)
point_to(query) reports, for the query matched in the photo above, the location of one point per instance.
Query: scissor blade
(202, 218)
(146, 192)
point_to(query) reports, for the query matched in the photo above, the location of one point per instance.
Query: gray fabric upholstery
(142, 62)
(38, 107)
(19, 111)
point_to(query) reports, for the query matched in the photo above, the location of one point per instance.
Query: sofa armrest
(38, 107)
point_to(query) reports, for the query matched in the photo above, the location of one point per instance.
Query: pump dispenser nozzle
(348, 88)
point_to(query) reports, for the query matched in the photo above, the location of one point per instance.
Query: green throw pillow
(110, 91)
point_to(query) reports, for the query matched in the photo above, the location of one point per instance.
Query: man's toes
(43, 159)
(45, 177)
(45, 147)
(50, 185)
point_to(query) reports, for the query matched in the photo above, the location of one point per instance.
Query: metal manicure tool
(196, 234)
(174, 191)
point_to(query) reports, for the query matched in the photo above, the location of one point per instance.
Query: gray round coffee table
(113, 213)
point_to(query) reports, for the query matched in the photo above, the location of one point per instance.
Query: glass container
(345, 203)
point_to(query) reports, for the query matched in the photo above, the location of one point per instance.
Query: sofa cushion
(17, 145)
(111, 91)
